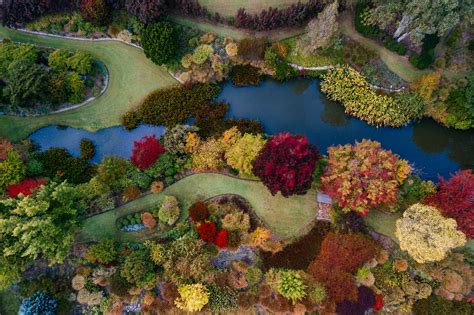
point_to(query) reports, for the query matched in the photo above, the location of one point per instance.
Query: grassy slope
(286, 217)
(230, 7)
(398, 64)
(132, 76)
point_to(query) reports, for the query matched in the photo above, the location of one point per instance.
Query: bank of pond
(297, 106)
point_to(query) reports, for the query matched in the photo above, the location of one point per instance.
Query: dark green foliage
(413, 190)
(427, 55)
(111, 171)
(138, 269)
(221, 300)
(131, 120)
(435, 305)
(160, 42)
(87, 149)
(164, 166)
(376, 33)
(119, 285)
(103, 252)
(284, 71)
(461, 106)
(26, 83)
(59, 163)
(138, 178)
(243, 75)
(470, 46)
(319, 171)
(410, 103)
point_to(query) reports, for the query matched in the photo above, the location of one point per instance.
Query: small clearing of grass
(285, 217)
(230, 7)
(9, 302)
(316, 60)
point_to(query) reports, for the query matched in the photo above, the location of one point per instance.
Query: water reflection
(333, 113)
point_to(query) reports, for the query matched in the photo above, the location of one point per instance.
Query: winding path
(132, 77)
(285, 217)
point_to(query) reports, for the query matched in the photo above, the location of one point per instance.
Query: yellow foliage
(208, 157)
(243, 153)
(230, 137)
(426, 235)
(192, 142)
(427, 84)
(192, 298)
(259, 236)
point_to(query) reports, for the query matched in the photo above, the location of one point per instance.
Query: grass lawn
(286, 217)
(223, 30)
(396, 63)
(9, 302)
(132, 77)
(230, 7)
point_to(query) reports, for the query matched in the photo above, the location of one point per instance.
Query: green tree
(75, 87)
(160, 42)
(10, 52)
(58, 59)
(103, 252)
(138, 269)
(80, 62)
(26, 83)
(40, 225)
(111, 171)
(12, 170)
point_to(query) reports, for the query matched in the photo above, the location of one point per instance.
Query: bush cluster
(243, 75)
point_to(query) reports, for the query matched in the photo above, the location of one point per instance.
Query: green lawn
(132, 77)
(286, 217)
(230, 7)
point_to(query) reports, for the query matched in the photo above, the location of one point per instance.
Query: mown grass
(132, 77)
(286, 217)
(230, 7)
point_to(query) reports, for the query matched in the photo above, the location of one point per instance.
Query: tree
(175, 138)
(95, 11)
(244, 152)
(87, 149)
(138, 269)
(40, 225)
(111, 171)
(363, 176)
(146, 151)
(426, 235)
(160, 42)
(169, 210)
(291, 285)
(59, 163)
(415, 18)
(26, 83)
(146, 11)
(455, 200)
(192, 297)
(286, 164)
(103, 252)
(12, 169)
(39, 303)
(320, 31)
(57, 60)
(80, 62)
(75, 87)
(208, 157)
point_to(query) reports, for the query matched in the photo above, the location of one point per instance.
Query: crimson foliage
(286, 163)
(207, 231)
(146, 151)
(147, 11)
(199, 211)
(455, 199)
(26, 187)
(221, 240)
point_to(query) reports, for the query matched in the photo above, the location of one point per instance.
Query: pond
(297, 106)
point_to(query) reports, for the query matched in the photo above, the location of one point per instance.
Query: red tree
(455, 199)
(221, 240)
(340, 256)
(286, 163)
(207, 231)
(26, 187)
(146, 151)
(96, 11)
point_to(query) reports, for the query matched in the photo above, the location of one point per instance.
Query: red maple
(26, 187)
(378, 303)
(146, 151)
(286, 163)
(207, 231)
(455, 199)
(221, 240)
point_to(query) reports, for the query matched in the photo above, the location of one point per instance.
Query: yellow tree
(243, 153)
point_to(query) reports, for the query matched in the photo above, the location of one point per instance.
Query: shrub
(251, 48)
(236, 221)
(38, 303)
(111, 171)
(253, 276)
(221, 240)
(346, 85)
(164, 166)
(363, 176)
(58, 162)
(169, 211)
(201, 54)
(208, 157)
(103, 252)
(157, 187)
(207, 231)
(25, 187)
(455, 200)
(175, 139)
(426, 235)
(243, 75)
(242, 154)
(12, 169)
(5, 146)
(87, 149)
(291, 286)
(148, 220)
(438, 305)
(193, 297)
(365, 301)
(131, 193)
(96, 11)
(160, 42)
(146, 151)
(34, 167)
(131, 120)
(137, 268)
(317, 293)
(199, 211)
(221, 300)
(286, 164)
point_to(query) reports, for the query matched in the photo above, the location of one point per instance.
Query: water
(115, 141)
(297, 106)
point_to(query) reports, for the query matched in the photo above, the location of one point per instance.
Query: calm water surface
(297, 106)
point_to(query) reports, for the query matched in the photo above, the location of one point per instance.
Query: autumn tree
(455, 199)
(286, 164)
(427, 84)
(146, 151)
(363, 176)
(95, 11)
(208, 157)
(147, 11)
(426, 235)
(244, 152)
(321, 30)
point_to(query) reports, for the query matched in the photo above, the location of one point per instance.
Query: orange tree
(363, 176)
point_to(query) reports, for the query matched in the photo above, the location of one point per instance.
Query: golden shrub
(78, 282)
(148, 220)
(232, 49)
(157, 187)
